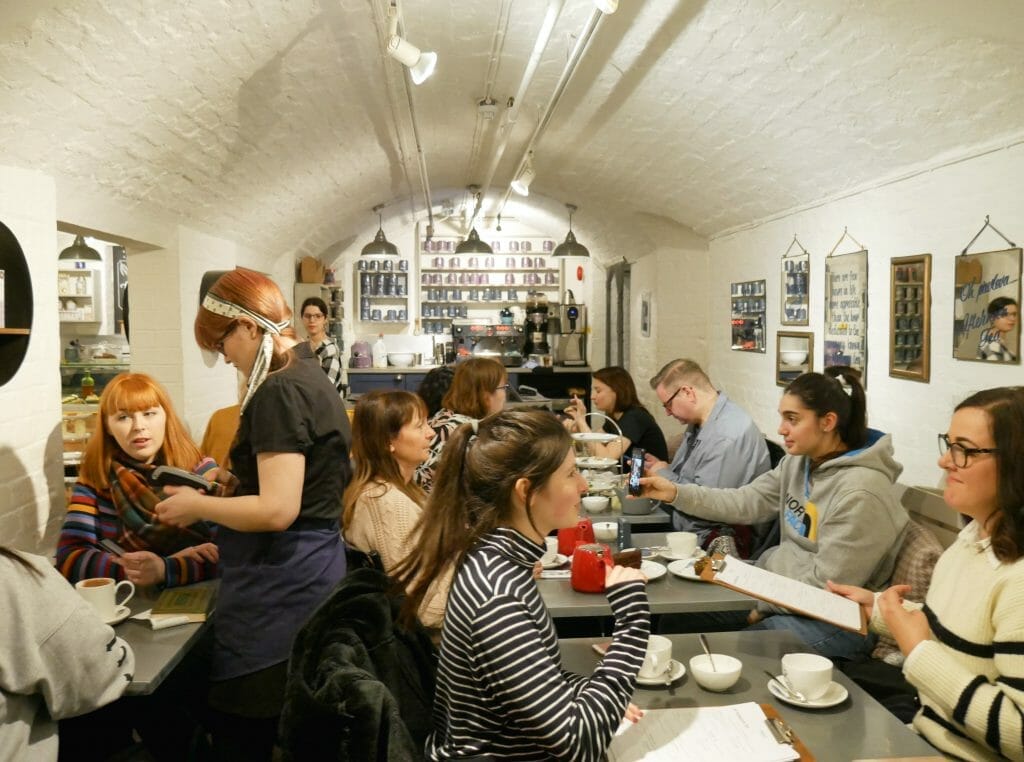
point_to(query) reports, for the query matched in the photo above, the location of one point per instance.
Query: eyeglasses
(667, 404)
(314, 316)
(959, 453)
(219, 346)
(504, 387)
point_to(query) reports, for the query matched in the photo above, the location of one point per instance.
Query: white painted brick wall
(937, 212)
(31, 467)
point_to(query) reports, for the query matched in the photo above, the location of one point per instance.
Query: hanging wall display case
(910, 317)
(748, 316)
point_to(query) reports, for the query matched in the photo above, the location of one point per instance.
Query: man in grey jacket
(722, 448)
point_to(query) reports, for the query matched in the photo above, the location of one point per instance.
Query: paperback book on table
(193, 602)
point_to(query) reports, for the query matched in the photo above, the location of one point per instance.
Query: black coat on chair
(359, 686)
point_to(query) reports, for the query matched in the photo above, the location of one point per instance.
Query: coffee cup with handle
(810, 674)
(658, 659)
(682, 544)
(101, 592)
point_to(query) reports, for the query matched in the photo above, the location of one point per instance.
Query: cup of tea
(101, 593)
(682, 544)
(808, 673)
(658, 658)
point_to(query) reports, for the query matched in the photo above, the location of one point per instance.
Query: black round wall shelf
(15, 305)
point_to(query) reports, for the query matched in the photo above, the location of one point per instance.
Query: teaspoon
(704, 645)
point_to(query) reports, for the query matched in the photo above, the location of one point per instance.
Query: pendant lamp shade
(380, 245)
(473, 245)
(80, 250)
(570, 247)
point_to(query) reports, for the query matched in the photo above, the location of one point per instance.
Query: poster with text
(986, 311)
(846, 311)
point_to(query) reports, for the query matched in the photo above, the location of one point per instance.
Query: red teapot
(589, 563)
(568, 538)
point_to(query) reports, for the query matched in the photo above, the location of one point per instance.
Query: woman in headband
(833, 496)
(281, 551)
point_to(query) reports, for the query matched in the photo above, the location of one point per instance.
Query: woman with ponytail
(833, 494)
(502, 485)
(280, 544)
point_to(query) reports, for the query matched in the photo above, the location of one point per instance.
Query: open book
(792, 594)
(737, 732)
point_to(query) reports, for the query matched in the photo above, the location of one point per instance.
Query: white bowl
(596, 503)
(722, 678)
(606, 531)
(401, 359)
(793, 357)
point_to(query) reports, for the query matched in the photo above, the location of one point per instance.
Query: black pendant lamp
(380, 245)
(80, 250)
(570, 247)
(473, 245)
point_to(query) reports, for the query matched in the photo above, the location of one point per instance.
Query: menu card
(736, 732)
(792, 594)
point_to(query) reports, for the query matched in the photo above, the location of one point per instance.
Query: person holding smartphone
(111, 529)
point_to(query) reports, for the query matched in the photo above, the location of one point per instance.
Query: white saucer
(120, 614)
(555, 562)
(676, 670)
(652, 570)
(668, 555)
(684, 569)
(594, 436)
(836, 694)
(595, 462)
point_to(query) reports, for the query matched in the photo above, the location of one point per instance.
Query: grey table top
(667, 595)
(858, 728)
(157, 652)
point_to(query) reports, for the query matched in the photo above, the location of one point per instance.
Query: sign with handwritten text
(986, 306)
(846, 311)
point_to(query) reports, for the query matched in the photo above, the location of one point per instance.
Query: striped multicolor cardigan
(501, 690)
(970, 674)
(92, 517)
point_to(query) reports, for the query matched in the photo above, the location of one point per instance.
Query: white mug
(681, 544)
(551, 549)
(101, 592)
(810, 674)
(658, 658)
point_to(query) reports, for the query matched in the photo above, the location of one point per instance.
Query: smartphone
(112, 547)
(169, 476)
(636, 470)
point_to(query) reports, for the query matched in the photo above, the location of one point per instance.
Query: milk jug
(380, 352)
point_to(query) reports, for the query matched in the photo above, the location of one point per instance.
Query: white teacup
(810, 674)
(101, 592)
(681, 543)
(658, 658)
(606, 531)
(551, 550)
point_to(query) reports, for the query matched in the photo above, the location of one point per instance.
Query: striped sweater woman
(500, 689)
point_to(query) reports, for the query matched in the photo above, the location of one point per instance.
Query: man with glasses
(722, 448)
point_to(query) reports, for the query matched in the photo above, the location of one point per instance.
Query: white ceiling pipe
(497, 48)
(556, 96)
(508, 119)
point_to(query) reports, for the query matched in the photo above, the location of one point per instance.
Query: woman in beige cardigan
(390, 438)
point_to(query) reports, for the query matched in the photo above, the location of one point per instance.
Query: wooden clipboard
(798, 746)
(709, 575)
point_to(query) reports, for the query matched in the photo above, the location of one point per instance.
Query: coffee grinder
(571, 346)
(536, 327)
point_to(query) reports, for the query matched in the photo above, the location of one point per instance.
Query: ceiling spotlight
(421, 65)
(380, 245)
(80, 250)
(607, 6)
(521, 184)
(473, 245)
(569, 247)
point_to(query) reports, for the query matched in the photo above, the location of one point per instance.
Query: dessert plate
(836, 694)
(594, 436)
(120, 614)
(684, 569)
(652, 570)
(555, 562)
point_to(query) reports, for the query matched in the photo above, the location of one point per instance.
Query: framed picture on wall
(910, 327)
(846, 311)
(986, 307)
(748, 316)
(794, 355)
(796, 275)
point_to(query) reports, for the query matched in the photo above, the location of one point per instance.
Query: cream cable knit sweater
(383, 523)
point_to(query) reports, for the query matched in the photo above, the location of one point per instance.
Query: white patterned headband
(227, 309)
(261, 365)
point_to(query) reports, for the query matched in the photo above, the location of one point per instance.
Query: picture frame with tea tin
(910, 317)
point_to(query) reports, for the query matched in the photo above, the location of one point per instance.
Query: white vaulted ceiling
(279, 123)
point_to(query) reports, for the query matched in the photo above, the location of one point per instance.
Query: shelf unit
(16, 305)
(333, 295)
(747, 316)
(78, 294)
(796, 290)
(383, 294)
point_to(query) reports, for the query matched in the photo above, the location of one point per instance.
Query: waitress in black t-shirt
(614, 394)
(280, 546)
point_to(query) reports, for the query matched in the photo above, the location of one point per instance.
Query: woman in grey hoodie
(833, 493)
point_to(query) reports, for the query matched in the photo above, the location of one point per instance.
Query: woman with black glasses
(479, 389)
(964, 647)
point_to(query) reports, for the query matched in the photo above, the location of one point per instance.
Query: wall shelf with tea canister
(79, 295)
(382, 288)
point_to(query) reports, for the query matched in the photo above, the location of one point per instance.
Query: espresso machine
(501, 342)
(536, 327)
(571, 342)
